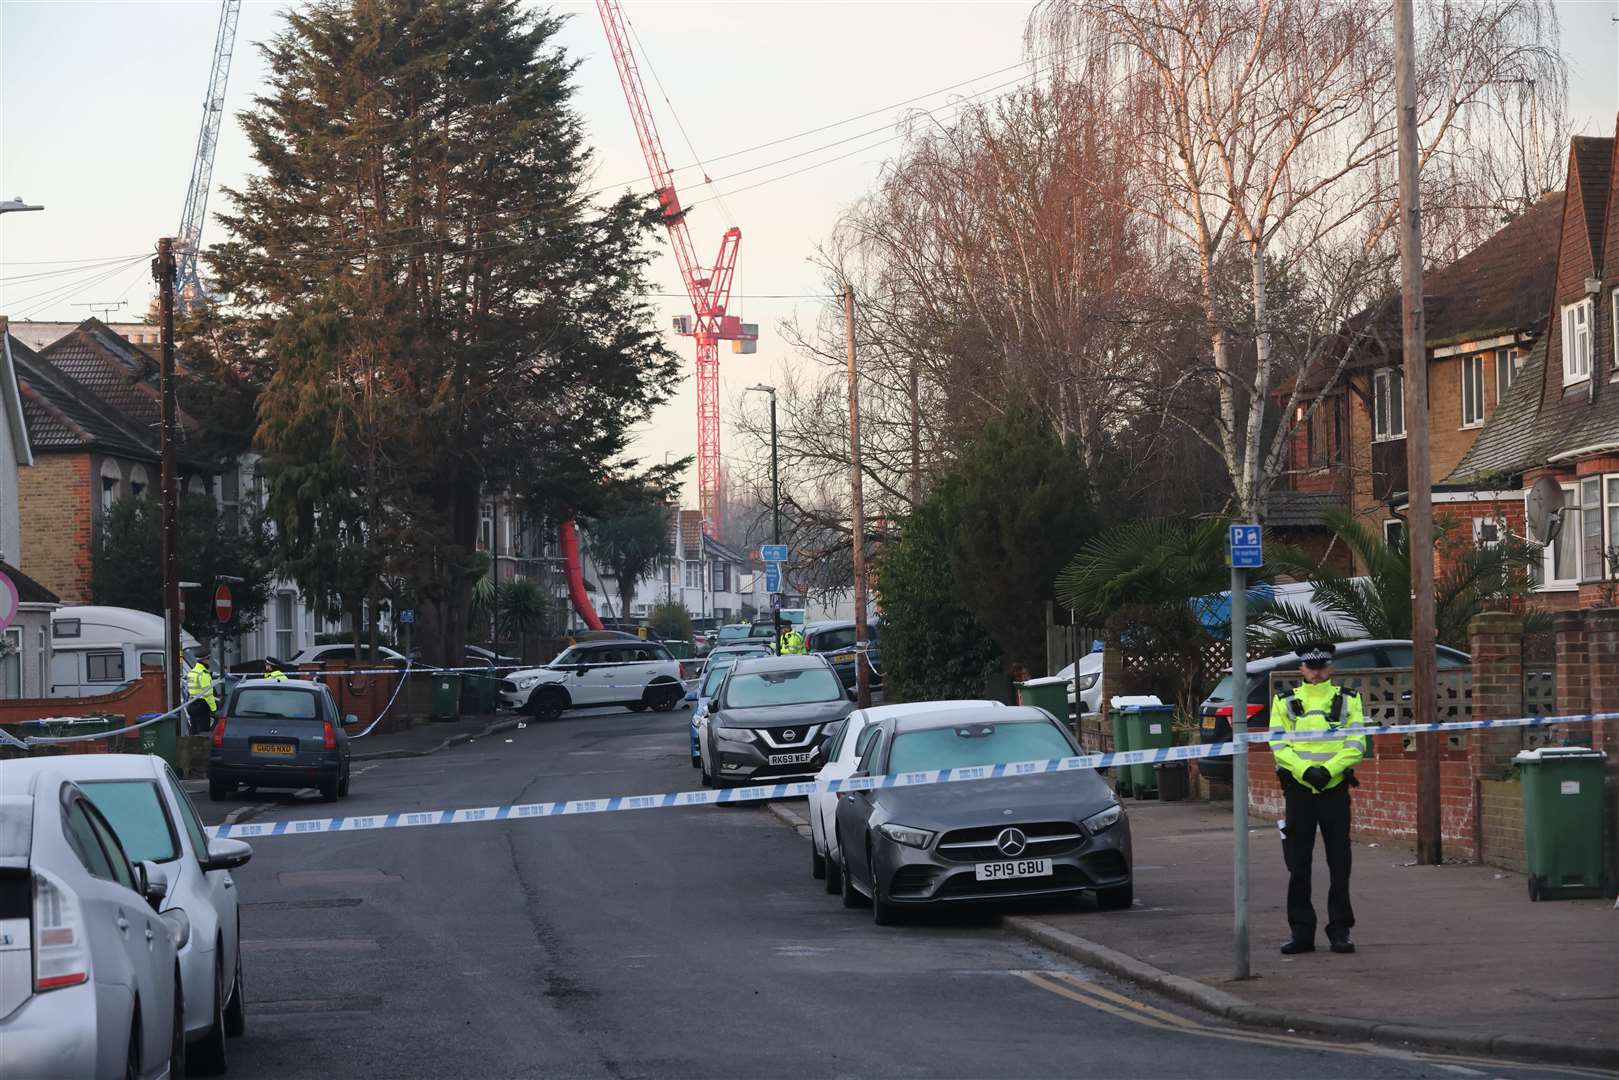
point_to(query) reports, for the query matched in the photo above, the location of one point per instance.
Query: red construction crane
(709, 289)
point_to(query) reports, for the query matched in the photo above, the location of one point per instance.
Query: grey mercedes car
(767, 722)
(1044, 834)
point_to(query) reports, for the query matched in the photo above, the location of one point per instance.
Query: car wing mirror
(854, 693)
(581, 670)
(151, 882)
(351, 719)
(227, 854)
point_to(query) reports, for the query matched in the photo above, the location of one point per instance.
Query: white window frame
(1472, 391)
(1614, 297)
(285, 634)
(1591, 568)
(693, 574)
(1506, 372)
(1398, 527)
(11, 663)
(1570, 528)
(1479, 526)
(1577, 334)
(1383, 404)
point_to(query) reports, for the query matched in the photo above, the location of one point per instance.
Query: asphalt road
(669, 943)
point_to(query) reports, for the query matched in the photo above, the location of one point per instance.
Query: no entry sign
(222, 603)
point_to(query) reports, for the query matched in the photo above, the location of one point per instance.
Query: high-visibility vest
(792, 643)
(199, 683)
(276, 674)
(1317, 707)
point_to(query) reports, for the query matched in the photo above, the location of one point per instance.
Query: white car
(323, 654)
(90, 980)
(154, 819)
(1087, 682)
(842, 753)
(638, 675)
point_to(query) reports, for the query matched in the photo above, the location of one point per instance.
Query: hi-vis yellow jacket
(1318, 707)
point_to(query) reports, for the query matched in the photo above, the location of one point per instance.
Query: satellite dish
(1544, 510)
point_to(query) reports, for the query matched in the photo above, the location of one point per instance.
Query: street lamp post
(775, 492)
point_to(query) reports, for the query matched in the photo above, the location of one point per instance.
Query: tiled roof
(1300, 509)
(117, 372)
(29, 591)
(63, 414)
(1511, 439)
(1593, 157)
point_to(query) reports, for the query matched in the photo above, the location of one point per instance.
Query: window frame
(1506, 372)
(1548, 581)
(11, 662)
(1472, 387)
(104, 654)
(1479, 524)
(1613, 298)
(1574, 334)
(1591, 557)
(1386, 400)
(1398, 523)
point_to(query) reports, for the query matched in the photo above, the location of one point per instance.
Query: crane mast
(708, 289)
(188, 287)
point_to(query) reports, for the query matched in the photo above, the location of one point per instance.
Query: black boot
(1341, 943)
(1294, 946)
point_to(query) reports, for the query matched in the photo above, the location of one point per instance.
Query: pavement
(669, 943)
(1447, 956)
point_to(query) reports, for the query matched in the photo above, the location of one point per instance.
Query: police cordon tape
(757, 793)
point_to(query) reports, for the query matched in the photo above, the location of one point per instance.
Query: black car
(836, 639)
(768, 720)
(282, 733)
(1043, 834)
(1351, 655)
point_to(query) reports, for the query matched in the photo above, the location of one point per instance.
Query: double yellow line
(1065, 984)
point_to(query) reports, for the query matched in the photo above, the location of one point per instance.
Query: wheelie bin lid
(1046, 680)
(1548, 753)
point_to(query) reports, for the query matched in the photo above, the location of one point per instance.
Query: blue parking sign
(773, 578)
(1245, 547)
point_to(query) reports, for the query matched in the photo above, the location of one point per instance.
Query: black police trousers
(1306, 812)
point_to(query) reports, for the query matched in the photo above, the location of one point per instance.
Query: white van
(96, 650)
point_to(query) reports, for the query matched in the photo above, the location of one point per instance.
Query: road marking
(1065, 984)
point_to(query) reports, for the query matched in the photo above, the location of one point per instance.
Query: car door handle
(229, 884)
(123, 923)
(149, 934)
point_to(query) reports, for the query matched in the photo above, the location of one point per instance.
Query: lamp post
(775, 493)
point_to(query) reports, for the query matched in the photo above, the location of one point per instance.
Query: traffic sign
(9, 596)
(775, 601)
(1245, 548)
(773, 578)
(773, 553)
(407, 616)
(222, 603)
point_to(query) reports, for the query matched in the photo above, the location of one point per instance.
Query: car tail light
(1253, 710)
(218, 738)
(331, 737)
(61, 951)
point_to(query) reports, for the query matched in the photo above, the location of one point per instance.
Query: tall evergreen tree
(450, 314)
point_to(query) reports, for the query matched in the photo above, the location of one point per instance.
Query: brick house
(92, 415)
(1562, 418)
(1484, 313)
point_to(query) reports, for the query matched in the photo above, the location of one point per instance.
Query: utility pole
(862, 671)
(775, 497)
(163, 271)
(1420, 481)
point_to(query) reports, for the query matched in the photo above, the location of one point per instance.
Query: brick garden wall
(54, 501)
(144, 695)
(1501, 824)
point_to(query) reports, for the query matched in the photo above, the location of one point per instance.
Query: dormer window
(1577, 342)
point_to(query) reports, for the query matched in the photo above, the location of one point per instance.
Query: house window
(11, 663)
(1560, 568)
(1615, 298)
(694, 574)
(722, 577)
(1323, 432)
(283, 626)
(1393, 531)
(139, 481)
(1576, 342)
(1613, 526)
(486, 526)
(1591, 529)
(1506, 372)
(1472, 391)
(110, 479)
(1487, 532)
(1388, 404)
(230, 500)
(104, 667)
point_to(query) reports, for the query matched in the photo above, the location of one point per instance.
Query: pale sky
(100, 104)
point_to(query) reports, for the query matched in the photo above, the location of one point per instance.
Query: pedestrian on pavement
(1316, 775)
(200, 688)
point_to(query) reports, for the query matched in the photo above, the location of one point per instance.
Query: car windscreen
(275, 704)
(714, 675)
(827, 640)
(570, 657)
(976, 744)
(761, 689)
(133, 810)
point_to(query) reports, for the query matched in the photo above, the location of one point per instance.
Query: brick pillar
(1602, 658)
(1573, 670)
(1495, 639)
(1112, 682)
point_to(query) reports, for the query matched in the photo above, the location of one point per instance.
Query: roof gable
(1500, 287)
(11, 397)
(1591, 159)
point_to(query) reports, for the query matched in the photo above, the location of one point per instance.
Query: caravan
(96, 650)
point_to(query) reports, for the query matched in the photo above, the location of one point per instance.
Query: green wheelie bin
(1050, 694)
(161, 738)
(1123, 775)
(1562, 820)
(446, 697)
(1148, 727)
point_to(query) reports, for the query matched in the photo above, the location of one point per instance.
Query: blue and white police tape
(669, 800)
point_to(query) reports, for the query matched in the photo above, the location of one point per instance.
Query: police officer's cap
(1317, 653)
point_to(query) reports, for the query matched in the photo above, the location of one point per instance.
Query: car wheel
(1117, 898)
(210, 1058)
(851, 895)
(343, 785)
(236, 1007)
(665, 697)
(219, 790)
(702, 763)
(329, 788)
(639, 706)
(817, 862)
(547, 704)
(883, 912)
(834, 876)
(132, 1059)
(177, 1037)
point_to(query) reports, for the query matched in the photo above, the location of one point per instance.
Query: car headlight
(904, 834)
(1101, 822)
(179, 926)
(528, 683)
(1085, 682)
(733, 734)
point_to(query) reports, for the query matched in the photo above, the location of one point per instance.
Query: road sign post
(773, 553)
(1245, 551)
(223, 605)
